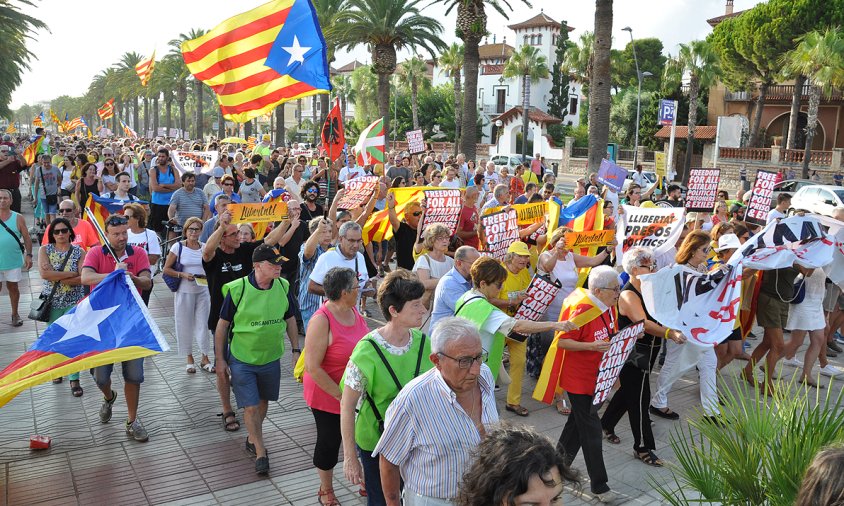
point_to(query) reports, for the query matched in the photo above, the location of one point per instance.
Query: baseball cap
(219, 171)
(728, 241)
(265, 138)
(519, 248)
(267, 253)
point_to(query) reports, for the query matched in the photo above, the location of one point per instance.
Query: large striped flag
(107, 110)
(56, 120)
(377, 227)
(38, 120)
(584, 215)
(30, 154)
(111, 325)
(579, 308)
(74, 124)
(128, 131)
(10, 129)
(261, 58)
(370, 147)
(144, 69)
(98, 209)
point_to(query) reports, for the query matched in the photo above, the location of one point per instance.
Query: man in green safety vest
(256, 314)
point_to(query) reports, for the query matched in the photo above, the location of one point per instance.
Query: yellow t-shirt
(513, 284)
(528, 176)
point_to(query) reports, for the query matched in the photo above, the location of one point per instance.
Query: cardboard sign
(760, 200)
(612, 175)
(660, 166)
(442, 206)
(621, 345)
(258, 213)
(415, 142)
(501, 230)
(539, 294)
(195, 161)
(703, 189)
(589, 238)
(526, 214)
(358, 192)
(657, 228)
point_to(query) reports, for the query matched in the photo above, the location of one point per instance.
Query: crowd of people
(412, 401)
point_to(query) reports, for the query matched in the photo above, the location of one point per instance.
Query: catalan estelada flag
(370, 147)
(144, 69)
(580, 309)
(30, 154)
(377, 227)
(128, 131)
(10, 129)
(85, 124)
(38, 120)
(97, 209)
(585, 215)
(107, 110)
(259, 59)
(74, 124)
(111, 325)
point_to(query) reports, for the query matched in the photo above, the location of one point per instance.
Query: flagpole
(101, 233)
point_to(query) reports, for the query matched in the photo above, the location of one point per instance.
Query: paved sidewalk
(189, 459)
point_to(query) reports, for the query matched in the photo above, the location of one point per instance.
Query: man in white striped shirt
(438, 419)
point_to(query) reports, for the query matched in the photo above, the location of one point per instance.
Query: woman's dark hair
(821, 485)
(397, 182)
(478, 179)
(250, 173)
(487, 269)
(398, 288)
(306, 186)
(338, 280)
(64, 221)
(535, 198)
(506, 459)
(88, 166)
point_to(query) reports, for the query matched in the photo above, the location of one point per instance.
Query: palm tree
(697, 60)
(471, 28)
(599, 86)
(130, 85)
(328, 12)
(182, 87)
(414, 72)
(531, 66)
(820, 57)
(451, 61)
(578, 59)
(345, 92)
(15, 30)
(387, 26)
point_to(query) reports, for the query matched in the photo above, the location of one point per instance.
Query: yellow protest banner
(660, 166)
(526, 214)
(589, 238)
(258, 213)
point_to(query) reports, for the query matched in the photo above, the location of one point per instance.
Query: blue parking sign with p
(666, 112)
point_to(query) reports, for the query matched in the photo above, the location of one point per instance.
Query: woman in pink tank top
(332, 333)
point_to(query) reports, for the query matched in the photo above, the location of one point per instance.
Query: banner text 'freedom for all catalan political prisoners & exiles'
(703, 189)
(501, 230)
(415, 142)
(621, 345)
(656, 228)
(198, 162)
(760, 200)
(443, 207)
(538, 296)
(358, 192)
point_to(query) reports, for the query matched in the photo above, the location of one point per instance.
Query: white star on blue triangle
(299, 49)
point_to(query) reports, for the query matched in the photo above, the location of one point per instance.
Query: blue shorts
(254, 383)
(53, 209)
(133, 372)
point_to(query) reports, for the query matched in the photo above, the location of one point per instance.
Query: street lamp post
(639, 76)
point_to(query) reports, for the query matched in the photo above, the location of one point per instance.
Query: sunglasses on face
(61, 230)
(417, 213)
(194, 229)
(228, 184)
(117, 220)
(62, 210)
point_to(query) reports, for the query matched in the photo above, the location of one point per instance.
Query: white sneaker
(830, 370)
(607, 497)
(793, 362)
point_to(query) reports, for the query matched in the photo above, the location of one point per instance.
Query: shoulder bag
(51, 199)
(18, 239)
(174, 282)
(378, 417)
(40, 308)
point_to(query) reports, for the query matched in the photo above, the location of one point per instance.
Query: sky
(87, 36)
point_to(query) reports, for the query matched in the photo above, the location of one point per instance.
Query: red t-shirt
(468, 220)
(86, 235)
(517, 187)
(580, 368)
(102, 262)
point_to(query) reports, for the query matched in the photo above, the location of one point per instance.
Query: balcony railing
(756, 154)
(781, 93)
(496, 108)
(782, 156)
(815, 157)
(736, 96)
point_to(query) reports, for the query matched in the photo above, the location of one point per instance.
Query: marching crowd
(413, 399)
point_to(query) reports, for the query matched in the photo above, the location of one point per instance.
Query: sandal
(58, 380)
(75, 390)
(16, 321)
(208, 367)
(562, 407)
(190, 368)
(228, 426)
(649, 458)
(331, 499)
(612, 437)
(362, 491)
(666, 413)
(519, 410)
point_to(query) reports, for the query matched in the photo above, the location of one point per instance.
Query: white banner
(835, 272)
(656, 228)
(796, 239)
(195, 161)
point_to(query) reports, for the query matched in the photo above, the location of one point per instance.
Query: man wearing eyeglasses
(346, 254)
(99, 263)
(85, 235)
(438, 419)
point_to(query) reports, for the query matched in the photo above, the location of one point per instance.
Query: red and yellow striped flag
(144, 69)
(261, 58)
(579, 309)
(107, 110)
(38, 120)
(57, 121)
(30, 154)
(377, 227)
(74, 124)
(250, 143)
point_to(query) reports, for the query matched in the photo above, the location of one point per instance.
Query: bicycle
(166, 244)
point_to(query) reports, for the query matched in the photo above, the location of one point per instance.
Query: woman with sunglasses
(88, 184)
(192, 301)
(635, 392)
(108, 175)
(60, 251)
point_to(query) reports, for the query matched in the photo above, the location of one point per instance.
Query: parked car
(511, 161)
(818, 199)
(789, 186)
(649, 175)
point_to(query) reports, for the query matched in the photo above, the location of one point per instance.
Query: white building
(497, 95)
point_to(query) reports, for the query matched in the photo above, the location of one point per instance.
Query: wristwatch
(296, 350)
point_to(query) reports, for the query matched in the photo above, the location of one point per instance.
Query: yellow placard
(258, 213)
(588, 239)
(526, 214)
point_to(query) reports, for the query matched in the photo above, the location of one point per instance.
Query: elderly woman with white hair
(635, 392)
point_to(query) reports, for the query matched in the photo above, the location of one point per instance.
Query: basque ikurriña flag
(370, 147)
(111, 325)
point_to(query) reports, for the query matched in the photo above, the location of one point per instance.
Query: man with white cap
(213, 186)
